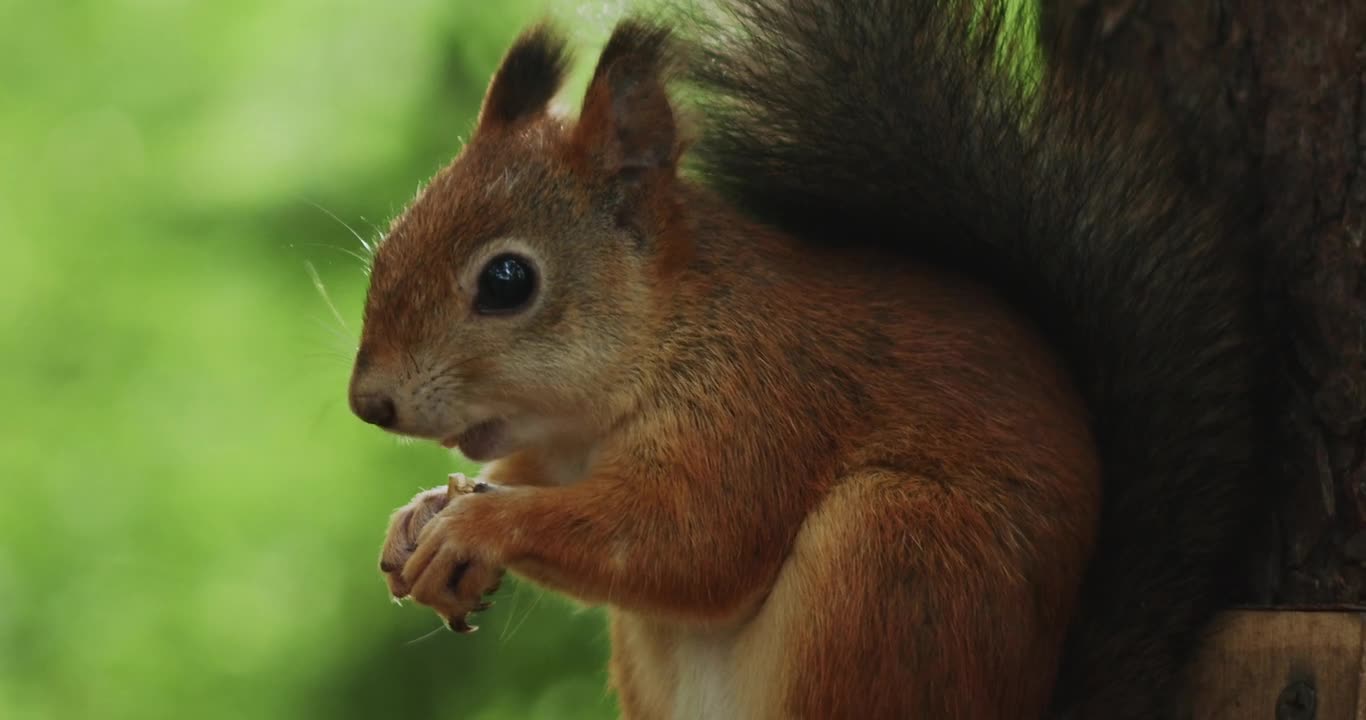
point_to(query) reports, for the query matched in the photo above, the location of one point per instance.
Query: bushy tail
(918, 127)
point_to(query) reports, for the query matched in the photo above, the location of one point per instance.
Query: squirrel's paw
(448, 573)
(406, 525)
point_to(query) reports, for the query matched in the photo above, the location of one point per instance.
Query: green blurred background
(191, 516)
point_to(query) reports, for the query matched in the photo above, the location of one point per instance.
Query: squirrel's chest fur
(663, 671)
(704, 679)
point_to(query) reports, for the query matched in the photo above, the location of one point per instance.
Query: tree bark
(1269, 99)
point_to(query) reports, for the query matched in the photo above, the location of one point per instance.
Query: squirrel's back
(920, 129)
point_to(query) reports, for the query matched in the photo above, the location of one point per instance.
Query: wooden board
(1283, 665)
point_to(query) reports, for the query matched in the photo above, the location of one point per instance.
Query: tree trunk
(1269, 97)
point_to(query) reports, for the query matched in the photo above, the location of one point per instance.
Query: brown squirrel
(918, 386)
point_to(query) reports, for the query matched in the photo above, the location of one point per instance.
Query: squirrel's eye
(506, 283)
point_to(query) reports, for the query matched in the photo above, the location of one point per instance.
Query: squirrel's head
(511, 302)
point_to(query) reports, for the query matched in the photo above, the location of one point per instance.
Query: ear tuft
(529, 76)
(635, 44)
(627, 123)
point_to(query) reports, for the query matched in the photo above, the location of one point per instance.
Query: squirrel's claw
(460, 625)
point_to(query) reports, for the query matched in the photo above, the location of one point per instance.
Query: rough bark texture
(1270, 99)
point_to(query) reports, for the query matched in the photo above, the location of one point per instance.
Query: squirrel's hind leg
(911, 597)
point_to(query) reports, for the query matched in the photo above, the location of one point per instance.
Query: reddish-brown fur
(859, 487)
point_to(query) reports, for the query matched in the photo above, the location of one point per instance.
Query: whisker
(531, 610)
(338, 334)
(374, 228)
(322, 290)
(340, 357)
(427, 636)
(368, 248)
(364, 261)
(511, 611)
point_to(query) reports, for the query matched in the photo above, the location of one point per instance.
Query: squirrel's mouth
(479, 442)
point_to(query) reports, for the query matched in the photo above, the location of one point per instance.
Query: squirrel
(891, 375)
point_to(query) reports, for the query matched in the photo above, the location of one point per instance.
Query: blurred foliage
(191, 516)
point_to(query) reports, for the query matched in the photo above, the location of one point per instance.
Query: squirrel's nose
(374, 408)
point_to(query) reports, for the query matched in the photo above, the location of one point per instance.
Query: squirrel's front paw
(447, 572)
(403, 540)
(407, 523)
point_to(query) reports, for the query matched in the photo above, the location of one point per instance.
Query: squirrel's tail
(918, 127)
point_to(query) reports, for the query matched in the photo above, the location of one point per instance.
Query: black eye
(505, 284)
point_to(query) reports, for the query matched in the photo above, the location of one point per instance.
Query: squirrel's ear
(529, 76)
(627, 125)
